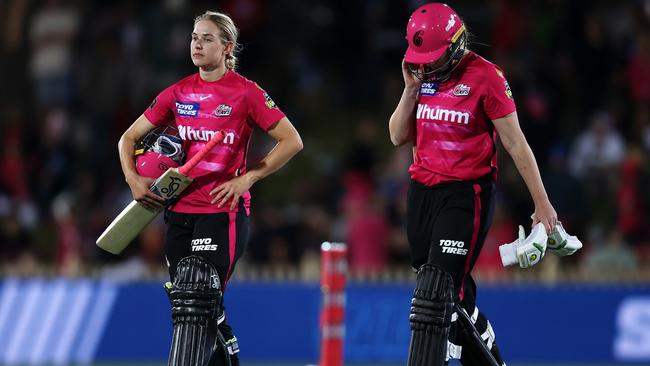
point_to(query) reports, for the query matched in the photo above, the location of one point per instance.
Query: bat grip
(190, 164)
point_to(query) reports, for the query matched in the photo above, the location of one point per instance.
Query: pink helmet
(152, 164)
(433, 30)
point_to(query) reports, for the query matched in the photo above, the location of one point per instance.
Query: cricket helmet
(433, 31)
(152, 164)
(158, 151)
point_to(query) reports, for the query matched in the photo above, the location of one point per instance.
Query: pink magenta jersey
(199, 108)
(455, 137)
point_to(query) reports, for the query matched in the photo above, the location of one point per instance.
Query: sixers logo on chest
(223, 110)
(461, 90)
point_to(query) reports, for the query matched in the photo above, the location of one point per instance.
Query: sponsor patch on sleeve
(269, 102)
(187, 109)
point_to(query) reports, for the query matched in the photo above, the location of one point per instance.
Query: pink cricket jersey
(455, 137)
(199, 108)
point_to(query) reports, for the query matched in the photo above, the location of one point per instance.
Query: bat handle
(185, 169)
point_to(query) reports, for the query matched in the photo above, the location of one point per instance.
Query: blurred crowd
(75, 74)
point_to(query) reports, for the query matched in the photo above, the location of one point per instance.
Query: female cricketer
(453, 105)
(208, 226)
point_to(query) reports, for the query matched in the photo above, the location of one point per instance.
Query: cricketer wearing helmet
(453, 105)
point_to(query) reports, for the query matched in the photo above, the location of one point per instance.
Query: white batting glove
(527, 251)
(561, 243)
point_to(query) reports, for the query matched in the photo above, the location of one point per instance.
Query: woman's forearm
(526, 164)
(125, 148)
(402, 122)
(281, 153)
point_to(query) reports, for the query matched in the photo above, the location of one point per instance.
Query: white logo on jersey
(204, 97)
(223, 110)
(203, 244)
(189, 133)
(441, 114)
(461, 90)
(453, 247)
(229, 138)
(451, 22)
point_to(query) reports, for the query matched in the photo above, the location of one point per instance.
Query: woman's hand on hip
(231, 190)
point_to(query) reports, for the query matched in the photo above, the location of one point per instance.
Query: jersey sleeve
(161, 109)
(498, 101)
(262, 110)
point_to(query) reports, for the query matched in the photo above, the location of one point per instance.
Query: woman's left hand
(545, 213)
(231, 190)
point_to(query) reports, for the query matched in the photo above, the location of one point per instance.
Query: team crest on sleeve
(269, 102)
(428, 88)
(461, 90)
(508, 91)
(153, 104)
(223, 110)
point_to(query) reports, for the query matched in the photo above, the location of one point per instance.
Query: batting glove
(527, 251)
(561, 243)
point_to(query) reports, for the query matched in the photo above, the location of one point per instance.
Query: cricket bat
(135, 217)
